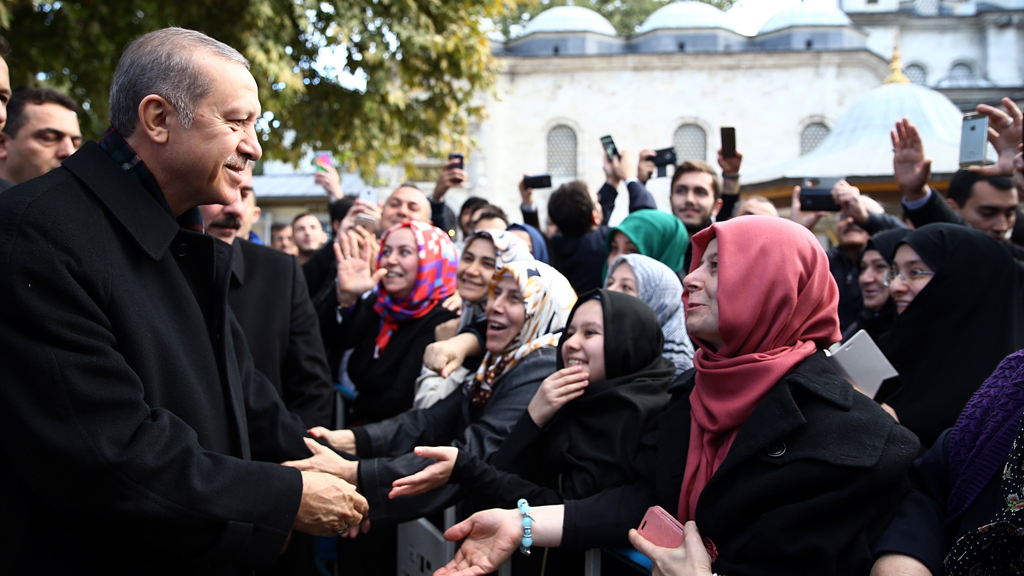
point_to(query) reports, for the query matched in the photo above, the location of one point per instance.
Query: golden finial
(896, 75)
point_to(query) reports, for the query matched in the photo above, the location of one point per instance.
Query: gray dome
(685, 14)
(806, 15)
(570, 19)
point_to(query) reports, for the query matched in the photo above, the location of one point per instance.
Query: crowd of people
(180, 398)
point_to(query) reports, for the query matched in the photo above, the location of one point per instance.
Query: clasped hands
(330, 504)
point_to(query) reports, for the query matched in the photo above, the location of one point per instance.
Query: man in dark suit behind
(269, 297)
(135, 435)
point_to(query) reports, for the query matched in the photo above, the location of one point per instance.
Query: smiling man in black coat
(135, 435)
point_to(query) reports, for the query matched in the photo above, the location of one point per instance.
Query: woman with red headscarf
(389, 329)
(772, 460)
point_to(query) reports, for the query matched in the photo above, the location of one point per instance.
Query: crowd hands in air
(574, 374)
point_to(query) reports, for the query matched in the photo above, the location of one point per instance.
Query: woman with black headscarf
(583, 428)
(958, 297)
(875, 260)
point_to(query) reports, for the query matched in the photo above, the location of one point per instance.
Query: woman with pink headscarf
(771, 460)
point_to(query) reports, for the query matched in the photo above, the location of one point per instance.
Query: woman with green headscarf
(654, 234)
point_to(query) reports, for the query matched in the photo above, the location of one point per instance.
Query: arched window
(916, 73)
(691, 143)
(812, 137)
(562, 152)
(961, 71)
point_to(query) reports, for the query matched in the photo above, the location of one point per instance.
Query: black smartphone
(728, 142)
(609, 147)
(457, 156)
(816, 195)
(539, 181)
(665, 157)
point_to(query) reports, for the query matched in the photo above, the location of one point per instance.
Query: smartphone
(973, 140)
(461, 165)
(665, 157)
(728, 142)
(369, 195)
(539, 181)
(661, 528)
(323, 159)
(609, 147)
(816, 195)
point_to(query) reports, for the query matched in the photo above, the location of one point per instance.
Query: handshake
(330, 505)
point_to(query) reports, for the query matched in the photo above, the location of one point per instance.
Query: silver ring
(1009, 123)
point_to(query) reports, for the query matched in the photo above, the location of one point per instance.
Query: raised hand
(329, 505)
(690, 559)
(556, 390)
(848, 198)
(1004, 132)
(433, 476)
(349, 222)
(491, 538)
(449, 177)
(526, 193)
(344, 440)
(911, 169)
(730, 165)
(330, 181)
(356, 266)
(645, 166)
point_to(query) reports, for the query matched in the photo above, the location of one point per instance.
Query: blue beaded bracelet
(524, 510)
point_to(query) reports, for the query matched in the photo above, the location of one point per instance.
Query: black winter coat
(268, 295)
(809, 484)
(132, 422)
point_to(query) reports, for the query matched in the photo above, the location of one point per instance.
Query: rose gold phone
(661, 528)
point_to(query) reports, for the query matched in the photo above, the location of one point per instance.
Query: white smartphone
(369, 195)
(973, 140)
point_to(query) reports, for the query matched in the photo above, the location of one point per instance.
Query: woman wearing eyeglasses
(958, 300)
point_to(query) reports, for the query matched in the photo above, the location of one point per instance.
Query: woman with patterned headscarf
(485, 253)
(527, 307)
(389, 330)
(658, 286)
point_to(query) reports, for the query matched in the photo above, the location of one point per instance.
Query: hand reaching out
(343, 440)
(433, 476)
(910, 168)
(557, 390)
(329, 505)
(325, 460)
(491, 538)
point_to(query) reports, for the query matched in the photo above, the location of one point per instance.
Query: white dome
(806, 15)
(859, 144)
(685, 14)
(569, 19)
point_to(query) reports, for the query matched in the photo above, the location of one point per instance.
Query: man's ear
(716, 208)
(595, 217)
(952, 204)
(256, 212)
(155, 117)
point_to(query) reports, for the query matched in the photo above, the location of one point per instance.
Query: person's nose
(66, 148)
(249, 146)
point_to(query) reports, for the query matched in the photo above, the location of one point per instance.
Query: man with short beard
(309, 235)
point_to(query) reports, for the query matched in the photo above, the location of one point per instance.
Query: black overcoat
(135, 435)
(810, 482)
(269, 297)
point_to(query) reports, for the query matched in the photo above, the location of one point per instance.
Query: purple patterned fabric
(980, 442)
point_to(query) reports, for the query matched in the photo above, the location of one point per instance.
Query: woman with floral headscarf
(485, 253)
(389, 330)
(771, 460)
(527, 307)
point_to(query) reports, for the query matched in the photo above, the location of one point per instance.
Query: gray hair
(163, 62)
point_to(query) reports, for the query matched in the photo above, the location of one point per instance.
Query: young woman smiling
(485, 252)
(389, 330)
(527, 307)
(879, 311)
(582, 428)
(658, 286)
(766, 450)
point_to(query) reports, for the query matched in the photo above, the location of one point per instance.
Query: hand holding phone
(816, 195)
(322, 160)
(728, 142)
(973, 140)
(661, 528)
(609, 148)
(539, 181)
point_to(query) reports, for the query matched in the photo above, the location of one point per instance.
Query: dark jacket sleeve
(880, 222)
(639, 197)
(917, 530)
(729, 202)
(79, 431)
(532, 217)
(936, 210)
(319, 268)
(606, 198)
(514, 455)
(400, 434)
(306, 378)
(481, 438)
(493, 488)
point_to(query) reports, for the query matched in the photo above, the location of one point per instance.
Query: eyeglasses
(911, 277)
